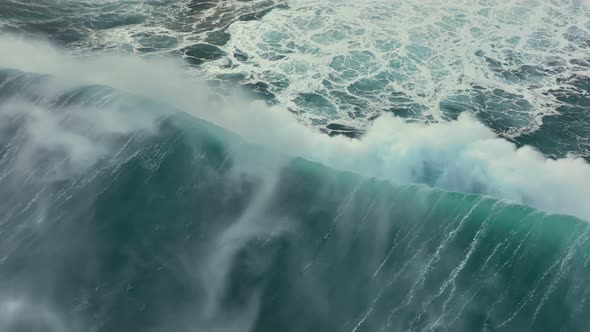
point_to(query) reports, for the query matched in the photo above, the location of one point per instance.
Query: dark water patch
(199, 53)
(350, 103)
(407, 112)
(201, 5)
(335, 129)
(218, 38)
(578, 36)
(156, 41)
(315, 101)
(114, 20)
(502, 111)
(241, 56)
(365, 86)
(259, 90)
(516, 69)
(567, 131)
(260, 14)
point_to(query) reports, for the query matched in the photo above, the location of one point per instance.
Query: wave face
(123, 214)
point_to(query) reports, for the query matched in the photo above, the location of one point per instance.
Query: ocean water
(294, 165)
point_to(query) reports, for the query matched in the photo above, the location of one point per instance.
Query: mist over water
(136, 194)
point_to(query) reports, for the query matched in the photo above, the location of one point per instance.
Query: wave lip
(461, 155)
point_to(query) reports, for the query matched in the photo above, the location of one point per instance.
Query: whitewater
(224, 179)
(461, 155)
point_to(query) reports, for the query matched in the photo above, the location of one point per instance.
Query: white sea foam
(422, 58)
(461, 155)
(168, 26)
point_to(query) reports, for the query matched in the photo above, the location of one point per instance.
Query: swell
(174, 223)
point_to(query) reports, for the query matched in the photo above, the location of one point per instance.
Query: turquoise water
(294, 166)
(184, 226)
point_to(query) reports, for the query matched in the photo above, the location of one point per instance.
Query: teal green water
(120, 213)
(188, 228)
